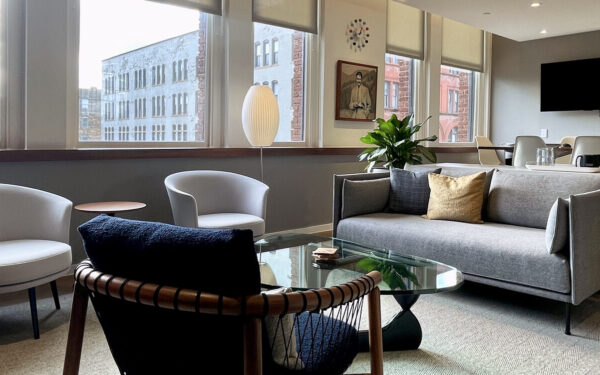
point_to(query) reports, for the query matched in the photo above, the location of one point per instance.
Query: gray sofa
(509, 249)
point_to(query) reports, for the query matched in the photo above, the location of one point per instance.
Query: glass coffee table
(287, 261)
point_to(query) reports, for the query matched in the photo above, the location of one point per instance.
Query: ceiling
(516, 19)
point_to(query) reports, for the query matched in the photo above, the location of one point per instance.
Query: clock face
(358, 34)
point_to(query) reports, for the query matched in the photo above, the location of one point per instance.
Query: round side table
(110, 208)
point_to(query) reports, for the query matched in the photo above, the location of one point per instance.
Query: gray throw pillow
(409, 191)
(557, 228)
(364, 196)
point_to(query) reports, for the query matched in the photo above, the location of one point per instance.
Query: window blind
(207, 6)
(302, 15)
(405, 30)
(462, 45)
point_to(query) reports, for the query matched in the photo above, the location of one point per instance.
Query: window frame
(213, 23)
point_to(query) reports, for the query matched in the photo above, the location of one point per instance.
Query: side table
(110, 208)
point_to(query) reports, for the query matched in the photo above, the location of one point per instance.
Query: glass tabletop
(287, 261)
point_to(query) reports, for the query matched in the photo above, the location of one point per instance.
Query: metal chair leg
(55, 294)
(34, 316)
(567, 318)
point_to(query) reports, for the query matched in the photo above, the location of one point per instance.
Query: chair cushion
(27, 260)
(213, 261)
(233, 221)
(497, 251)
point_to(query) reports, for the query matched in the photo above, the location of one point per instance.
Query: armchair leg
(252, 346)
(375, 333)
(55, 294)
(567, 318)
(34, 316)
(76, 328)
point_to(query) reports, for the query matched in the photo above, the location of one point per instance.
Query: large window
(398, 87)
(147, 53)
(456, 105)
(283, 67)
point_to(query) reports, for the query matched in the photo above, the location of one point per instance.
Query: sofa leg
(55, 294)
(34, 316)
(567, 318)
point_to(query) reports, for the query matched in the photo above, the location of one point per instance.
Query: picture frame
(356, 92)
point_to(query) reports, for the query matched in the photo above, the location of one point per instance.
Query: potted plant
(393, 145)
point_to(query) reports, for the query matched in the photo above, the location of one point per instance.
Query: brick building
(397, 89)
(455, 105)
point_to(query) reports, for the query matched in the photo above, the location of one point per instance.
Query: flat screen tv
(570, 85)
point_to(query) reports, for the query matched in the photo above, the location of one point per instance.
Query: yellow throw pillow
(456, 198)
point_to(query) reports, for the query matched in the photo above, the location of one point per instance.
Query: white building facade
(149, 94)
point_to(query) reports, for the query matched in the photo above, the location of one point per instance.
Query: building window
(399, 75)
(267, 53)
(275, 88)
(179, 133)
(386, 94)
(109, 133)
(158, 133)
(85, 123)
(138, 55)
(257, 54)
(124, 133)
(287, 48)
(275, 51)
(456, 105)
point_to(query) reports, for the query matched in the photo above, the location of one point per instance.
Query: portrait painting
(356, 91)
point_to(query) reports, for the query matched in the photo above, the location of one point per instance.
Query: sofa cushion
(557, 228)
(456, 198)
(497, 251)
(409, 190)
(525, 197)
(28, 260)
(364, 197)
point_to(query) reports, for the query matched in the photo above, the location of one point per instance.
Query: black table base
(403, 332)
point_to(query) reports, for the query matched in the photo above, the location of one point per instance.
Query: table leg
(403, 332)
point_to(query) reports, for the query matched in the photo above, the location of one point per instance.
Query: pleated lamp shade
(260, 116)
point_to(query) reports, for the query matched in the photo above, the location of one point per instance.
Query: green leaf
(430, 155)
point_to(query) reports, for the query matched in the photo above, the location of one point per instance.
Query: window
(399, 74)
(275, 51)
(257, 54)
(143, 49)
(179, 133)
(288, 80)
(456, 105)
(267, 54)
(84, 122)
(386, 94)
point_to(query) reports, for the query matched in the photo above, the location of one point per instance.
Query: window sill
(171, 153)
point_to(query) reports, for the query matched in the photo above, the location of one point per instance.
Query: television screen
(570, 85)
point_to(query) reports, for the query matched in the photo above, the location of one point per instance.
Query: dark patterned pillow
(409, 191)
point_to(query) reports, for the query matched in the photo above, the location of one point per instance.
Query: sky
(112, 27)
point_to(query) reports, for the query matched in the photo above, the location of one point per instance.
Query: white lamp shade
(260, 116)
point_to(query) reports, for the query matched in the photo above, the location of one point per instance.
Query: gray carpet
(476, 330)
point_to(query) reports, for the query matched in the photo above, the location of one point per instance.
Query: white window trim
(73, 94)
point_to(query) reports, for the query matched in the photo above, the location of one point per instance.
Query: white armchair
(34, 242)
(217, 200)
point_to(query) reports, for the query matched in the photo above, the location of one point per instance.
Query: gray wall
(300, 195)
(516, 87)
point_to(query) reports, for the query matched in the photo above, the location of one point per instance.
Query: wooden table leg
(375, 335)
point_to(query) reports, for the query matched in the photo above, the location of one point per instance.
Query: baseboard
(306, 230)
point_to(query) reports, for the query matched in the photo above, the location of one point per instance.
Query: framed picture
(356, 91)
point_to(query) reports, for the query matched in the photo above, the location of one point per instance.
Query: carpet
(475, 330)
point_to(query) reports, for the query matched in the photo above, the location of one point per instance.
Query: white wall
(516, 88)
(337, 15)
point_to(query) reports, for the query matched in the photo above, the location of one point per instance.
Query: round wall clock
(358, 34)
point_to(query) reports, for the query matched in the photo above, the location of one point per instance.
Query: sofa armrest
(338, 183)
(585, 245)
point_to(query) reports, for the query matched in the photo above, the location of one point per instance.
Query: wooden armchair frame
(252, 309)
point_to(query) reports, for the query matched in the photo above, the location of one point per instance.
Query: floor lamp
(260, 118)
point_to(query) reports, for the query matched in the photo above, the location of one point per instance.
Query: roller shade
(462, 45)
(302, 15)
(405, 30)
(207, 6)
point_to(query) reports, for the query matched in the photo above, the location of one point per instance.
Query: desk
(110, 208)
(558, 151)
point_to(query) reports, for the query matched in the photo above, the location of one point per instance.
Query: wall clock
(357, 34)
